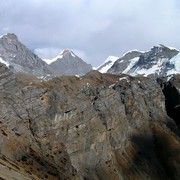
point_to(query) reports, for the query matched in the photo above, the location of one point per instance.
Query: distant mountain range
(158, 61)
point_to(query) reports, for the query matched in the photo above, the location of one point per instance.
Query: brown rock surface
(107, 126)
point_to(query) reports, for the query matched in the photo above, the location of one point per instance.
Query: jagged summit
(10, 36)
(67, 52)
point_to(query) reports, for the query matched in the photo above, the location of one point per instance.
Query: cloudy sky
(93, 29)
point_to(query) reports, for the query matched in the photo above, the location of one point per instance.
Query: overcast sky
(93, 29)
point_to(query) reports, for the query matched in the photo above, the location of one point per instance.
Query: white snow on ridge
(110, 61)
(132, 51)
(4, 62)
(126, 78)
(132, 63)
(111, 58)
(176, 62)
(60, 56)
(145, 72)
(155, 69)
(49, 61)
(172, 48)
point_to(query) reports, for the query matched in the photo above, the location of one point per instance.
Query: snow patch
(169, 77)
(124, 78)
(176, 62)
(146, 72)
(132, 63)
(155, 69)
(49, 61)
(72, 54)
(109, 62)
(4, 62)
(172, 48)
(121, 61)
(111, 86)
(111, 58)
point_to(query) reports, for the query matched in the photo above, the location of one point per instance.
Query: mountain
(67, 63)
(158, 61)
(19, 58)
(97, 126)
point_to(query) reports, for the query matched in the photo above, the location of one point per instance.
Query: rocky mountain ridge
(98, 126)
(21, 153)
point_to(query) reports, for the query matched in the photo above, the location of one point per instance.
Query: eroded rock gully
(98, 126)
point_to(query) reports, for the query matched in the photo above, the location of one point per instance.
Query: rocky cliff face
(19, 58)
(23, 154)
(108, 126)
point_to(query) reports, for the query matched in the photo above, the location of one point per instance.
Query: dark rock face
(171, 90)
(109, 127)
(20, 58)
(70, 64)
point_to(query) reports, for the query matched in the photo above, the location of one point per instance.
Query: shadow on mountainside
(155, 156)
(161, 152)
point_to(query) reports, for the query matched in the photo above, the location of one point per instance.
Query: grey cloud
(96, 28)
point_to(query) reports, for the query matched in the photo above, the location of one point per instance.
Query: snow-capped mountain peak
(67, 63)
(160, 60)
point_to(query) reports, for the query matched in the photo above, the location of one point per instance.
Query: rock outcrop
(108, 126)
